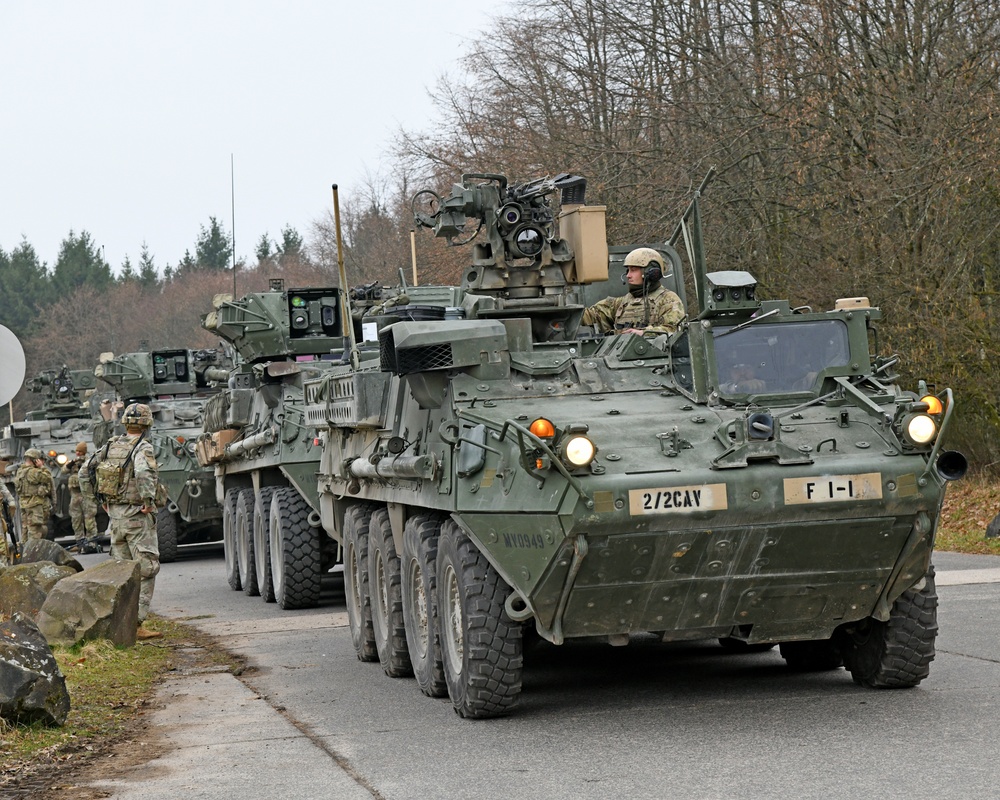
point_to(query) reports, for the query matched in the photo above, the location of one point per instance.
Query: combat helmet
(33, 452)
(644, 257)
(137, 414)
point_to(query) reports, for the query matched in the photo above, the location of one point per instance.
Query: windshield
(775, 358)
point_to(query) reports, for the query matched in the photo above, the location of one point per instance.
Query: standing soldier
(82, 507)
(33, 483)
(126, 476)
(6, 556)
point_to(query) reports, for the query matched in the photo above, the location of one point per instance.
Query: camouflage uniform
(8, 499)
(665, 312)
(34, 488)
(133, 533)
(82, 507)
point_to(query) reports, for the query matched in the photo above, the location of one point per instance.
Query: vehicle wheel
(262, 543)
(895, 654)
(419, 579)
(230, 540)
(166, 535)
(359, 610)
(386, 598)
(811, 656)
(480, 645)
(244, 537)
(295, 551)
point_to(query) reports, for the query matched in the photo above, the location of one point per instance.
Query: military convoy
(482, 464)
(177, 384)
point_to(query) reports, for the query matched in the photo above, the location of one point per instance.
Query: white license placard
(833, 488)
(678, 499)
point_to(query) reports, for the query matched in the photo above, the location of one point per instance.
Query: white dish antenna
(11, 365)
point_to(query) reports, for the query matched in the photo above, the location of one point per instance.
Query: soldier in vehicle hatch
(648, 309)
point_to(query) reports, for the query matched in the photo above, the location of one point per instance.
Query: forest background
(856, 144)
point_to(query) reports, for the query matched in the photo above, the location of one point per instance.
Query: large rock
(24, 587)
(32, 689)
(993, 529)
(35, 550)
(99, 603)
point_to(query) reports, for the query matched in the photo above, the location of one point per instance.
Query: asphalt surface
(645, 721)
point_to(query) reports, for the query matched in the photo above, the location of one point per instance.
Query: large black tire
(387, 598)
(230, 542)
(262, 543)
(480, 645)
(295, 551)
(895, 654)
(244, 536)
(419, 581)
(817, 655)
(359, 610)
(166, 535)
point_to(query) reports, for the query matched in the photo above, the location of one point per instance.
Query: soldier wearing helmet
(82, 506)
(648, 309)
(33, 483)
(126, 475)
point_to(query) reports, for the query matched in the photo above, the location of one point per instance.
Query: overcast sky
(119, 118)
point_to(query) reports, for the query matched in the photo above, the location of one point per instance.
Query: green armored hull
(757, 476)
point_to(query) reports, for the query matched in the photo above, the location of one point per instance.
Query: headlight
(61, 459)
(579, 451)
(920, 429)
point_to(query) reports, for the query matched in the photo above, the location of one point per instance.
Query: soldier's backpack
(111, 476)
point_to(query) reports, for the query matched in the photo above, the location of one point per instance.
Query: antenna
(232, 195)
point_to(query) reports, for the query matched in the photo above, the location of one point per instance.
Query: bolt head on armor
(138, 414)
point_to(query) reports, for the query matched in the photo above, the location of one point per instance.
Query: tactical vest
(30, 482)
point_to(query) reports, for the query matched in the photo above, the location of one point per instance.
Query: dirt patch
(62, 773)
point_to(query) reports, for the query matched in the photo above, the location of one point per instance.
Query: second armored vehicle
(177, 384)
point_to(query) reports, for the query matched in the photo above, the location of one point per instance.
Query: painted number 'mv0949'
(833, 488)
(678, 499)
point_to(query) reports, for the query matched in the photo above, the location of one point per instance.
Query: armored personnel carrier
(177, 384)
(262, 448)
(65, 419)
(758, 476)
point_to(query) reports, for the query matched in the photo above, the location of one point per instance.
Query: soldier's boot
(143, 633)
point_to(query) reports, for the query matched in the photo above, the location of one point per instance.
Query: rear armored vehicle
(176, 384)
(65, 419)
(758, 476)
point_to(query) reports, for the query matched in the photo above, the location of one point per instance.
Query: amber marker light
(52, 453)
(934, 405)
(542, 428)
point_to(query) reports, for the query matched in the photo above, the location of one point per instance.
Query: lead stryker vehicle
(65, 419)
(757, 477)
(177, 384)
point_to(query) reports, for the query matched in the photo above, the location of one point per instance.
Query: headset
(651, 275)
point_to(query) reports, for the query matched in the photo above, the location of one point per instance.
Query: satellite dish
(11, 365)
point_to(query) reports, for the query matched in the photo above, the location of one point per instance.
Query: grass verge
(108, 688)
(969, 506)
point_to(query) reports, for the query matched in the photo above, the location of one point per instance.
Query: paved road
(645, 721)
